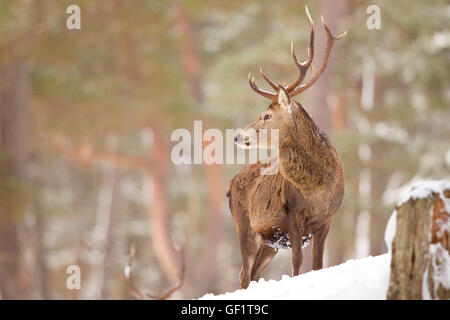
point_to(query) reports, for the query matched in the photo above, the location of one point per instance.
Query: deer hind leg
(263, 257)
(295, 227)
(318, 245)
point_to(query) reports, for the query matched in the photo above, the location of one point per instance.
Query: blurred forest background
(86, 117)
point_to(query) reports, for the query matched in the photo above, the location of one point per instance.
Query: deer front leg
(295, 227)
(249, 247)
(293, 208)
(318, 246)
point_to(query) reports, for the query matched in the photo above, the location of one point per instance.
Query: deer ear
(284, 100)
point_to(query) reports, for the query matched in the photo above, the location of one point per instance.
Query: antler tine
(135, 291)
(330, 42)
(141, 295)
(303, 66)
(267, 94)
(273, 85)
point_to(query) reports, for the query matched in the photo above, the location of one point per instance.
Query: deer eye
(267, 116)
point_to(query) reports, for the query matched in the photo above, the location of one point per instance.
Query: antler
(330, 42)
(142, 295)
(264, 93)
(303, 66)
(295, 88)
(273, 85)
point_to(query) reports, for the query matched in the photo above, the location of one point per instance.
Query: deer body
(287, 209)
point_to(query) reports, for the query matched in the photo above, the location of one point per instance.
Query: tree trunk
(207, 274)
(101, 241)
(159, 214)
(40, 254)
(317, 96)
(420, 263)
(13, 141)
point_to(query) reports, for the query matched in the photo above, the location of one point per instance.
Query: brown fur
(286, 209)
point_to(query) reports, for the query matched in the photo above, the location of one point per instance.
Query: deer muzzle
(246, 139)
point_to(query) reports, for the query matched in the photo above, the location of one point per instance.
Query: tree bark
(420, 250)
(206, 275)
(13, 143)
(317, 96)
(159, 214)
(40, 256)
(101, 242)
(189, 55)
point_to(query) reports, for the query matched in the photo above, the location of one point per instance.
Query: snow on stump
(420, 265)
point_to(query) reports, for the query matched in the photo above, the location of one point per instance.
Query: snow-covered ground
(366, 278)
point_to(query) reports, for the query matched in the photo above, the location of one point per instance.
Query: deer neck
(306, 155)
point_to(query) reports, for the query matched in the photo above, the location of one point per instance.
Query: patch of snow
(440, 261)
(438, 255)
(447, 158)
(444, 226)
(423, 189)
(362, 243)
(391, 228)
(363, 125)
(361, 279)
(391, 132)
(365, 152)
(439, 41)
(396, 191)
(418, 101)
(429, 161)
(126, 272)
(441, 266)
(281, 240)
(425, 290)
(366, 278)
(365, 183)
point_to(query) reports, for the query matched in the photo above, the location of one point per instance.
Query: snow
(361, 279)
(420, 190)
(439, 41)
(362, 235)
(391, 132)
(391, 227)
(396, 189)
(438, 255)
(126, 272)
(440, 260)
(423, 189)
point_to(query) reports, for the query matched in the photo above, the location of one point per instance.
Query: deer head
(279, 115)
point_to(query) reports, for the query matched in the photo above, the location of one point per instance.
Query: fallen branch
(86, 154)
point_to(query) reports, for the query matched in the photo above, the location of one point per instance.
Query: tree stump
(420, 265)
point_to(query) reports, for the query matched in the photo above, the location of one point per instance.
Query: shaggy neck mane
(306, 154)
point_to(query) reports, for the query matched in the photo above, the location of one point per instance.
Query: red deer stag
(287, 209)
